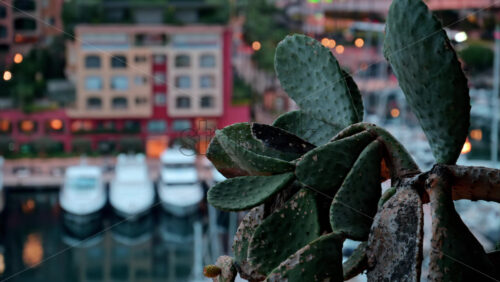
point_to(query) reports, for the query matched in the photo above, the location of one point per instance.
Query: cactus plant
(312, 178)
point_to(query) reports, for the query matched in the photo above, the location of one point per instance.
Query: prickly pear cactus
(312, 178)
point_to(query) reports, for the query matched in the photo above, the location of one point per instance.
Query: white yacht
(83, 192)
(179, 189)
(131, 192)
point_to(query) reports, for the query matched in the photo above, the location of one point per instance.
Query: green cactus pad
(456, 255)
(355, 204)
(350, 130)
(245, 192)
(250, 162)
(430, 75)
(386, 196)
(284, 232)
(320, 260)
(311, 76)
(222, 161)
(325, 167)
(399, 160)
(281, 140)
(355, 94)
(241, 241)
(356, 263)
(307, 127)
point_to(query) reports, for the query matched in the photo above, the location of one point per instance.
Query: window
(94, 103)
(24, 24)
(160, 78)
(140, 59)
(92, 61)
(183, 81)
(93, 83)
(207, 81)
(3, 31)
(160, 99)
(157, 126)
(182, 61)
(119, 103)
(25, 5)
(181, 124)
(141, 101)
(207, 102)
(183, 102)
(3, 12)
(159, 59)
(207, 61)
(118, 62)
(132, 126)
(119, 82)
(140, 80)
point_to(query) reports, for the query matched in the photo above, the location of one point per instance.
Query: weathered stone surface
(395, 243)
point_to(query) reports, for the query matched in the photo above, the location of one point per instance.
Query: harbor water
(39, 242)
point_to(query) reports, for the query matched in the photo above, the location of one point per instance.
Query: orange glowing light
(359, 42)
(256, 45)
(18, 58)
(56, 124)
(395, 112)
(33, 250)
(467, 147)
(28, 206)
(325, 41)
(7, 75)
(331, 43)
(339, 49)
(476, 134)
(27, 125)
(4, 125)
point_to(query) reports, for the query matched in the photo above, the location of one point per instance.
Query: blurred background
(107, 108)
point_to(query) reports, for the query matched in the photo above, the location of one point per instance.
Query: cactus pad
(320, 260)
(355, 204)
(355, 94)
(284, 232)
(316, 131)
(311, 76)
(356, 263)
(453, 245)
(241, 240)
(325, 167)
(430, 75)
(242, 153)
(245, 192)
(281, 140)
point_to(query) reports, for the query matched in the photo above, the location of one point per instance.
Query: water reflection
(48, 245)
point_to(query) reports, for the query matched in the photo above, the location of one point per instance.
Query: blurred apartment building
(142, 83)
(25, 23)
(167, 81)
